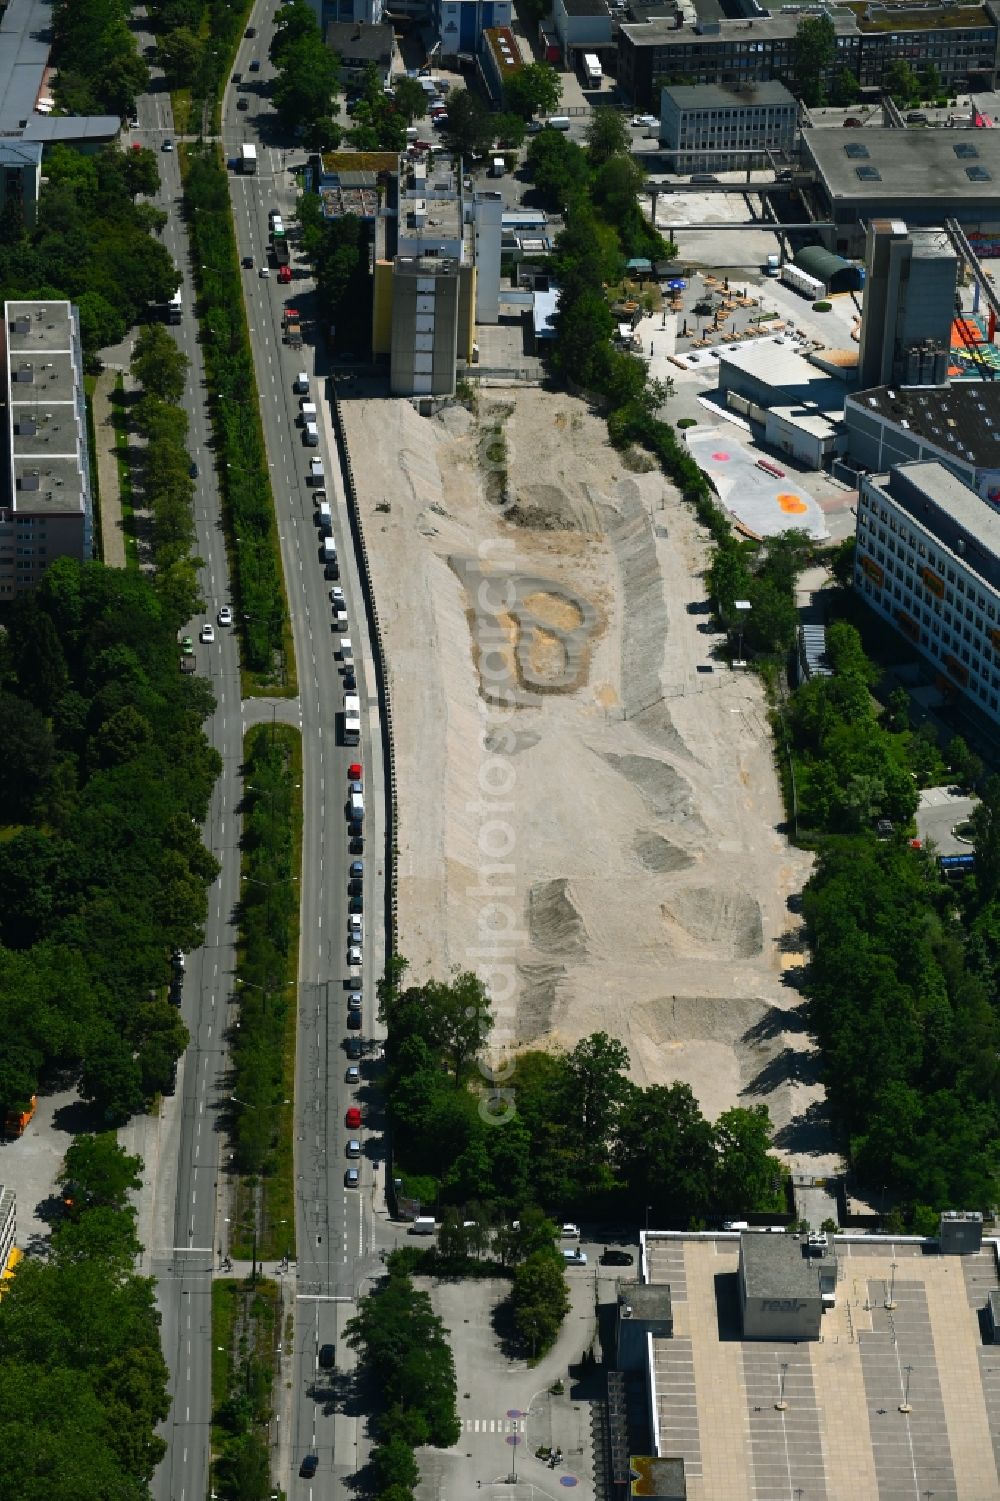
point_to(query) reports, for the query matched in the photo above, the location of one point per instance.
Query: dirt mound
(657, 726)
(549, 508)
(667, 792)
(657, 853)
(725, 923)
(536, 1001)
(554, 924)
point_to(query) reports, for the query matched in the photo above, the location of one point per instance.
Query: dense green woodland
(573, 1137)
(93, 243)
(83, 1382)
(105, 777)
(98, 67)
(904, 981)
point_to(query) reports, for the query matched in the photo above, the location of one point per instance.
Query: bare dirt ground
(585, 817)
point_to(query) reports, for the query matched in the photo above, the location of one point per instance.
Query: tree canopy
(101, 857)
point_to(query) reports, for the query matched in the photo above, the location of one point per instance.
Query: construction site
(588, 810)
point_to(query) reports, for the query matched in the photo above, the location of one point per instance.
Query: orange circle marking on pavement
(792, 505)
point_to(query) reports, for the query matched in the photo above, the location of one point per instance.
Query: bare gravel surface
(585, 817)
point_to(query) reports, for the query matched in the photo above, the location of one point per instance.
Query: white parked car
(208, 631)
(575, 1257)
(354, 954)
(336, 596)
(355, 927)
(569, 1231)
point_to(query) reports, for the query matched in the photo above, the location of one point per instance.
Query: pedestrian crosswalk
(494, 1425)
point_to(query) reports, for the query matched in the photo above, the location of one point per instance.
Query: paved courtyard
(842, 1435)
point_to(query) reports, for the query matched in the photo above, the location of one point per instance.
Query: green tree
(540, 1299)
(159, 365)
(534, 89)
(97, 1172)
(900, 81)
(558, 168)
(411, 101)
(747, 1175)
(985, 822)
(930, 81)
(607, 135)
(470, 127)
(510, 131)
(846, 91)
(393, 1465)
(814, 48)
(666, 1151)
(142, 175)
(179, 53)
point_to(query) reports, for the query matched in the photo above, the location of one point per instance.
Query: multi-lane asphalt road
(335, 1224)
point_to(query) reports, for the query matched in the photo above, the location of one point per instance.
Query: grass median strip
(263, 1049)
(246, 1332)
(267, 658)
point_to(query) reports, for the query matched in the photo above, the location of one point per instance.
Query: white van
(346, 649)
(357, 807)
(424, 1224)
(324, 518)
(411, 133)
(307, 410)
(316, 474)
(558, 122)
(302, 382)
(310, 435)
(329, 550)
(497, 167)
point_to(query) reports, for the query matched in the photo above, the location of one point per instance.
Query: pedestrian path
(493, 1425)
(105, 442)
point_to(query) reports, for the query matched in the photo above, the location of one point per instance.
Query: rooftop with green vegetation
(909, 17)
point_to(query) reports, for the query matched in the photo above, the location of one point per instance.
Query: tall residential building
(458, 25)
(928, 561)
(909, 303)
(46, 506)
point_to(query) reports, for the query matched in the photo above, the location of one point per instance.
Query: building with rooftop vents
(956, 425)
(26, 103)
(46, 506)
(920, 177)
(499, 59)
(458, 25)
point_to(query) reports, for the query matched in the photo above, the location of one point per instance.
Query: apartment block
(46, 505)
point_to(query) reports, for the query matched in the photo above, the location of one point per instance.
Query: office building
(707, 127)
(960, 41)
(958, 426)
(458, 25)
(920, 177)
(46, 506)
(928, 562)
(427, 317)
(360, 12)
(359, 46)
(909, 303)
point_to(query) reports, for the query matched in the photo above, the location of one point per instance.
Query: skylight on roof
(965, 151)
(868, 174)
(978, 174)
(856, 151)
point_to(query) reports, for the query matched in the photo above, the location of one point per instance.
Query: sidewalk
(109, 495)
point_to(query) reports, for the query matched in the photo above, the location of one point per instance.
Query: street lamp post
(890, 1301)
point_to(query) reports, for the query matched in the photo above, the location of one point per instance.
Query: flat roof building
(927, 560)
(499, 59)
(909, 303)
(46, 506)
(26, 103)
(762, 1418)
(781, 1295)
(961, 42)
(708, 126)
(918, 176)
(956, 425)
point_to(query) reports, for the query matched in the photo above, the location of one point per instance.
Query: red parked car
(353, 1118)
(354, 772)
